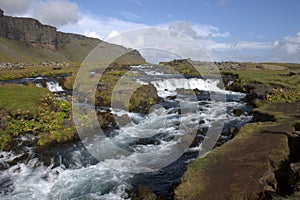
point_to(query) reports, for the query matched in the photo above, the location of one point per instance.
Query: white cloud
(113, 34)
(103, 27)
(197, 31)
(291, 44)
(204, 35)
(57, 12)
(15, 7)
(241, 45)
(91, 34)
(287, 49)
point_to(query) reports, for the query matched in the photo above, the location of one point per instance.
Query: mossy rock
(143, 98)
(184, 66)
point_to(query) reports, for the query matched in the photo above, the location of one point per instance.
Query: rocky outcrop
(32, 32)
(27, 40)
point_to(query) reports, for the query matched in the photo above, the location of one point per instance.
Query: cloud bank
(15, 7)
(57, 13)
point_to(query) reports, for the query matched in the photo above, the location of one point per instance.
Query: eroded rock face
(34, 33)
(28, 30)
(30, 35)
(1, 13)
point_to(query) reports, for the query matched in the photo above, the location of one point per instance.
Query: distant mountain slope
(27, 40)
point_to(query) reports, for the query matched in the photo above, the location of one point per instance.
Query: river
(151, 139)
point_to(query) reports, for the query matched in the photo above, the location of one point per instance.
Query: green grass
(34, 111)
(73, 50)
(273, 78)
(14, 98)
(32, 71)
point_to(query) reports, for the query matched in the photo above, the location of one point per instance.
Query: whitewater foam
(54, 86)
(168, 87)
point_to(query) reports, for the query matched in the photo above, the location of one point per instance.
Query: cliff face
(26, 39)
(28, 30)
(32, 32)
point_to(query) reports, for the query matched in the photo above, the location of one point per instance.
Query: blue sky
(256, 30)
(245, 20)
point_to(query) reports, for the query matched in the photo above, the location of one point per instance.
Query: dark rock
(122, 120)
(106, 119)
(19, 159)
(235, 86)
(268, 181)
(238, 112)
(297, 126)
(56, 68)
(258, 90)
(147, 141)
(262, 117)
(295, 167)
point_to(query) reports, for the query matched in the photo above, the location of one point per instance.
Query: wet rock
(295, 167)
(297, 126)
(143, 98)
(262, 117)
(19, 159)
(106, 119)
(258, 90)
(122, 120)
(238, 112)
(147, 141)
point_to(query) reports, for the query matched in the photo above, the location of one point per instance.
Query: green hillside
(75, 50)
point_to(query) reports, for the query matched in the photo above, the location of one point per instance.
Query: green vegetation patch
(33, 110)
(274, 78)
(17, 98)
(33, 71)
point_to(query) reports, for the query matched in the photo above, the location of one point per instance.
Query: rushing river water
(75, 174)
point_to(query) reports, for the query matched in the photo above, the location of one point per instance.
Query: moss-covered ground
(33, 110)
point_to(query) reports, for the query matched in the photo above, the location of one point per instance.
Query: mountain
(27, 40)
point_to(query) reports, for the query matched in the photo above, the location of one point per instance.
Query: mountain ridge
(28, 40)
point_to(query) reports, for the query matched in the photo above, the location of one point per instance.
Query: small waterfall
(167, 87)
(54, 86)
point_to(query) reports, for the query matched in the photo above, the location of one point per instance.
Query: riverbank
(259, 162)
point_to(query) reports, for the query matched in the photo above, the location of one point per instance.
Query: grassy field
(279, 78)
(33, 110)
(18, 98)
(75, 50)
(8, 74)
